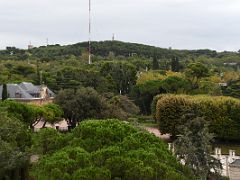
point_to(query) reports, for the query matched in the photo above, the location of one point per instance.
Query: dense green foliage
(116, 68)
(81, 104)
(143, 93)
(222, 114)
(86, 103)
(121, 74)
(15, 142)
(102, 48)
(196, 71)
(194, 147)
(107, 149)
(233, 89)
(29, 114)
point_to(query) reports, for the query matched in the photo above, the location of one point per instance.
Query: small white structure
(61, 125)
(223, 84)
(230, 162)
(230, 168)
(234, 170)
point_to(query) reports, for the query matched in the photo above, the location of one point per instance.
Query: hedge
(222, 113)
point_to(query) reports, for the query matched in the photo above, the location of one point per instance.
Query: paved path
(157, 133)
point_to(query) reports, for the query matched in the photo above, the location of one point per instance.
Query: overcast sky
(180, 24)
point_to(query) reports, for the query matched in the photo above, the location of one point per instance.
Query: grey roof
(236, 163)
(29, 87)
(26, 89)
(52, 94)
(12, 89)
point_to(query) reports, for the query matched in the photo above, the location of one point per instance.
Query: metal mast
(89, 31)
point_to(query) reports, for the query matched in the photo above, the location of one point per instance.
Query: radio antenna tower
(89, 34)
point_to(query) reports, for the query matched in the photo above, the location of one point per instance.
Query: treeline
(103, 49)
(221, 113)
(45, 53)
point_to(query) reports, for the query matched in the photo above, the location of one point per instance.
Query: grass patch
(228, 146)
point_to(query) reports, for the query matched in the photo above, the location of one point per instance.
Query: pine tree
(4, 92)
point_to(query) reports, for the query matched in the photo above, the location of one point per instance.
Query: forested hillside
(125, 68)
(125, 81)
(103, 48)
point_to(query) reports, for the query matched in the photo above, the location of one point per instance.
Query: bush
(222, 113)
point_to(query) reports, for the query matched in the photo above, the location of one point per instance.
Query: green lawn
(226, 147)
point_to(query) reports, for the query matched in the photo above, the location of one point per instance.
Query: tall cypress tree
(175, 64)
(155, 63)
(4, 92)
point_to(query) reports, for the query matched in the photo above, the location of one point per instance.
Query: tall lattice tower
(89, 34)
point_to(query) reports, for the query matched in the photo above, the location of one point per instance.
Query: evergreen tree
(4, 92)
(194, 148)
(175, 64)
(155, 63)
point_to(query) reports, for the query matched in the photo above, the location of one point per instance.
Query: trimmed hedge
(222, 113)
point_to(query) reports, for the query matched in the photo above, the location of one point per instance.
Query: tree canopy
(108, 149)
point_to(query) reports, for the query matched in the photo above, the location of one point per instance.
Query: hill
(101, 48)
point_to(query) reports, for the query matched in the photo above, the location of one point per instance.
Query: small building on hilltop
(29, 93)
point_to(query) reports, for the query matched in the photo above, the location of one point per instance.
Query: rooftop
(26, 90)
(235, 163)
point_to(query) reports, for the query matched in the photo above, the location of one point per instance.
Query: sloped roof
(26, 89)
(51, 94)
(235, 163)
(12, 89)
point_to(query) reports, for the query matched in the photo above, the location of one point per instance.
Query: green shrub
(222, 113)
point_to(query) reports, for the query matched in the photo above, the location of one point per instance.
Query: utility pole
(89, 31)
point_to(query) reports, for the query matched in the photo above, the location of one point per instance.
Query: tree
(74, 78)
(109, 149)
(15, 140)
(4, 92)
(26, 113)
(51, 113)
(121, 74)
(194, 147)
(155, 63)
(81, 104)
(175, 64)
(196, 71)
(143, 77)
(46, 141)
(233, 89)
(143, 94)
(121, 107)
(175, 84)
(208, 87)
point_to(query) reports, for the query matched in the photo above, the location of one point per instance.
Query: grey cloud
(182, 24)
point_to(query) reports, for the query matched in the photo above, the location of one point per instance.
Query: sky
(180, 24)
